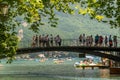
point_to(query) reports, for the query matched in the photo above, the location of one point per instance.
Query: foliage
(35, 11)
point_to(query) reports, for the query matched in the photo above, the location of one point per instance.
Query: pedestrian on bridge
(106, 41)
(51, 40)
(110, 41)
(58, 40)
(115, 41)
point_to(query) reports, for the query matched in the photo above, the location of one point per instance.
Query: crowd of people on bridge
(46, 40)
(98, 40)
(83, 40)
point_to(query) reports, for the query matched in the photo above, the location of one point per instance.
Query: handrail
(64, 42)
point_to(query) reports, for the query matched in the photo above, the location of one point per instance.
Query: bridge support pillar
(82, 55)
(115, 67)
(115, 70)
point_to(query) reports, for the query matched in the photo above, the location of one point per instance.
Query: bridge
(72, 45)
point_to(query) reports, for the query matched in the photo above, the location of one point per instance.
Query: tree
(35, 11)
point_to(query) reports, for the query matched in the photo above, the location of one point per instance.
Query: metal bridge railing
(64, 42)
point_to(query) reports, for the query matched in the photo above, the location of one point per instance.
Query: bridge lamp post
(3, 10)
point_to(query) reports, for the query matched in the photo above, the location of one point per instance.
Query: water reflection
(104, 73)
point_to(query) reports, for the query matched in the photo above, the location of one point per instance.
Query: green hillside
(71, 26)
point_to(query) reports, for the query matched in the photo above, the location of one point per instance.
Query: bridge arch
(88, 50)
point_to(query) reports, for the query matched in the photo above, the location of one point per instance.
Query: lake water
(48, 70)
